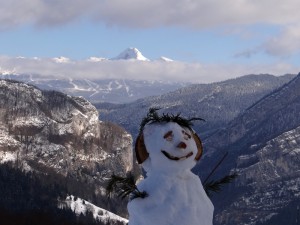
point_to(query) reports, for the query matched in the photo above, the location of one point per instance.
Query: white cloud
(286, 44)
(155, 13)
(152, 70)
(140, 14)
(283, 45)
(42, 12)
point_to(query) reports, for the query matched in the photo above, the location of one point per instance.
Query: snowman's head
(168, 144)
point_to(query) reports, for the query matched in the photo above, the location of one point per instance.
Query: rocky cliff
(49, 131)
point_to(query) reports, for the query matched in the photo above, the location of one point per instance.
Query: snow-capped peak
(165, 59)
(131, 54)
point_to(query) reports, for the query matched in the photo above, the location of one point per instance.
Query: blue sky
(209, 40)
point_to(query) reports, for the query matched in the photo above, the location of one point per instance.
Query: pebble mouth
(176, 158)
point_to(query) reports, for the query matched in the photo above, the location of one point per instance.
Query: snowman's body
(175, 195)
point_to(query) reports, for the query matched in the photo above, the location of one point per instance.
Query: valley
(254, 118)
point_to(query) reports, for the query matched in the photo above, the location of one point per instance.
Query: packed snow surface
(175, 195)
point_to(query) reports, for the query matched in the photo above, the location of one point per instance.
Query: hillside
(53, 133)
(217, 103)
(263, 145)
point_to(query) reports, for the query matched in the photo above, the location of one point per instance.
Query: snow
(165, 59)
(175, 195)
(32, 121)
(131, 54)
(7, 72)
(7, 156)
(5, 139)
(80, 206)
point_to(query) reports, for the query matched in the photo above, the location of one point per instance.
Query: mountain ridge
(263, 145)
(99, 90)
(217, 103)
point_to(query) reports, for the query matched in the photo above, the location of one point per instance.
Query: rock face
(48, 130)
(272, 182)
(263, 145)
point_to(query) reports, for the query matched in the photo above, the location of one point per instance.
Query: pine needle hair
(153, 117)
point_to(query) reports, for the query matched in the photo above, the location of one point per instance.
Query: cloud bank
(155, 13)
(142, 14)
(138, 70)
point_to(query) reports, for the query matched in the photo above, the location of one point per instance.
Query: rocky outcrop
(51, 131)
(269, 180)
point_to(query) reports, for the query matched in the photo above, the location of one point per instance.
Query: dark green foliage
(215, 186)
(124, 187)
(153, 117)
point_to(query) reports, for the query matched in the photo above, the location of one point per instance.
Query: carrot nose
(181, 145)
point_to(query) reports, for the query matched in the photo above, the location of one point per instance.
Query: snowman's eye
(186, 135)
(169, 136)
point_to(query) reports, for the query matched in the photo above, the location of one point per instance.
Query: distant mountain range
(217, 103)
(130, 54)
(255, 119)
(99, 90)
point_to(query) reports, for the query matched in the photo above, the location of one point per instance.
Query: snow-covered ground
(81, 206)
(7, 156)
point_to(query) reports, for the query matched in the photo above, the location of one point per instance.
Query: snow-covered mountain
(263, 145)
(53, 133)
(217, 103)
(131, 54)
(99, 90)
(89, 86)
(254, 118)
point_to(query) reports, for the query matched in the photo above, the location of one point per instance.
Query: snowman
(168, 148)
